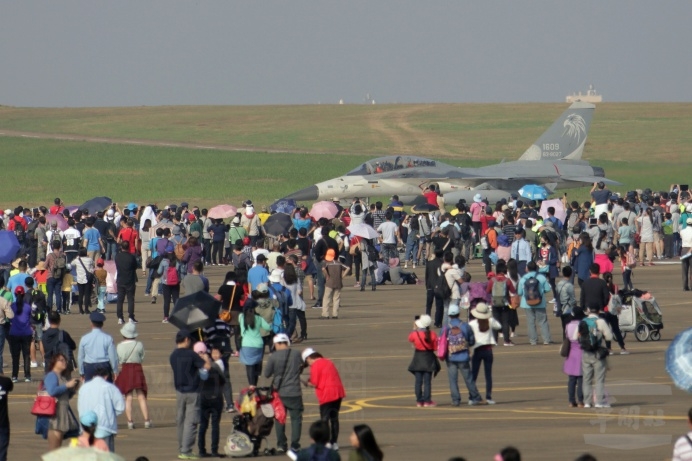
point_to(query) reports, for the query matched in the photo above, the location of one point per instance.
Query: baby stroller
(640, 314)
(254, 423)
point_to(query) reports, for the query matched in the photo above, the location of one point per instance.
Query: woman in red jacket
(324, 377)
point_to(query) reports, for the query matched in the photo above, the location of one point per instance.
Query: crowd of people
(526, 255)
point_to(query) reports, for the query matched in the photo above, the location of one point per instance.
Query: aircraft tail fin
(566, 137)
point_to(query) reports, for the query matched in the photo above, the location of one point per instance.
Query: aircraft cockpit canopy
(392, 163)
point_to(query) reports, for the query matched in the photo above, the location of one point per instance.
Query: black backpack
(532, 291)
(31, 230)
(19, 232)
(441, 287)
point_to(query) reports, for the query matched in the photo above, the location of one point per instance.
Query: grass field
(641, 145)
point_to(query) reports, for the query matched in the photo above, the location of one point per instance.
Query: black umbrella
(198, 310)
(424, 208)
(277, 224)
(96, 204)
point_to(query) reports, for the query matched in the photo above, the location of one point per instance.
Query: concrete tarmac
(369, 345)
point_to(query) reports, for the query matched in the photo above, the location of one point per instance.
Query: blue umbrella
(533, 192)
(9, 246)
(283, 206)
(679, 360)
(96, 204)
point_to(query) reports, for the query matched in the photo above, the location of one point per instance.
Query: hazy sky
(140, 52)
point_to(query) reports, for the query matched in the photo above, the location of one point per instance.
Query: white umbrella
(363, 230)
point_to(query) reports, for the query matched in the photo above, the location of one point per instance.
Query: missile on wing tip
(309, 193)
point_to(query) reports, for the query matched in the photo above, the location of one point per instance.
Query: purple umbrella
(9, 246)
(60, 219)
(72, 209)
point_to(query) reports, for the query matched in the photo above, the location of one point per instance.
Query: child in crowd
(627, 263)
(319, 433)
(101, 274)
(40, 274)
(572, 365)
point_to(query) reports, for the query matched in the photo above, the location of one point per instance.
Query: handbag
(565, 347)
(44, 404)
(514, 301)
(442, 345)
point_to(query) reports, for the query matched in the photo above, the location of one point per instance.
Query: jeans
(217, 252)
(124, 291)
(439, 307)
(593, 369)
(20, 344)
(209, 409)
(187, 419)
(295, 316)
(84, 295)
(329, 412)
(389, 251)
(110, 441)
(612, 321)
(483, 354)
(422, 386)
(357, 261)
(54, 287)
(536, 316)
(319, 278)
(368, 270)
(111, 250)
(453, 369)
(102, 298)
(170, 293)
(411, 248)
(627, 279)
(574, 384)
(294, 409)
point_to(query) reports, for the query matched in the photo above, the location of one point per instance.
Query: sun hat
(199, 347)
(478, 198)
(453, 310)
(331, 254)
(281, 338)
(481, 311)
(424, 321)
(307, 353)
(129, 331)
(275, 276)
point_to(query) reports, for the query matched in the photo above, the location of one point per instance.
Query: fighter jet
(553, 161)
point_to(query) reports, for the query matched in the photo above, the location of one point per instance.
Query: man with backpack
(126, 267)
(459, 339)
(532, 289)
(281, 299)
(56, 266)
(57, 341)
(466, 238)
(500, 287)
(591, 334)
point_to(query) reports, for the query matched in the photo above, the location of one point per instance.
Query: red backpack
(172, 276)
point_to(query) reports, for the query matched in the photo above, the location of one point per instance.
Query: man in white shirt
(683, 446)
(389, 232)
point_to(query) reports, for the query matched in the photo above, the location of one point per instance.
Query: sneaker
(34, 365)
(231, 410)
(133, 320)
(587, 405)
(500, 335)
(406, 265)
(146, 295)
(414, 265)
(547, 343)
(357, 285)
(187, 456)
(130, 425)
(511, 335)
(624, 352)
(552, 301)
(317, 306)
(335, 446)
(473, 403)
(418, 404)
(572, 405)
(121, 321)
(27, 380)
(165, 320)
(509, 344)
(602, 405)
(153, 299)
(429, 404)
(490, 402)
(281, 450)
(328, 445)
(14, 379)
(148, 425)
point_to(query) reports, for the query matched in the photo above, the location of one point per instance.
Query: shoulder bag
(44, 403)
(89, 275)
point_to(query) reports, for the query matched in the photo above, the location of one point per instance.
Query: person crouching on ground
(424, 363)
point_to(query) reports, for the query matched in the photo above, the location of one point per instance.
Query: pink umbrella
(60, 219)
(222, 212)
(324, 209)
(560, 212)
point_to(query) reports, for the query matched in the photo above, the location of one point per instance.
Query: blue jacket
(462, 356)
(543, 284)
(583, 258)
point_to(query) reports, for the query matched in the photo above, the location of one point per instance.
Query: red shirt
(325, 377)
(17, 220)
(500, 278)
(130, 235)
(431, 197)
(484, 223)
(417, 337)
(56, 209)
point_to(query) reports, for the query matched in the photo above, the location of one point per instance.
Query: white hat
(8, 211)
(424, 321)
(110, 212)
(477, 198)
(281, 338)
(275, 276)
(482, 311)
(129, 331)
(307, 353)
(453, 310)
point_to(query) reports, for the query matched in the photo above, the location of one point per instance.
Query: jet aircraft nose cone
(309, 193)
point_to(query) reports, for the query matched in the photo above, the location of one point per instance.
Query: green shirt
(253, 337)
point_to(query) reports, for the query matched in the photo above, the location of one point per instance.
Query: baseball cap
(100, 262)
(281, 338)
(307, 353)
(453, 310)
(262, 288)
(331, 254)
(19, 291)
(181, 335)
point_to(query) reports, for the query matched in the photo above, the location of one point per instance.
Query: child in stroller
(257, 407)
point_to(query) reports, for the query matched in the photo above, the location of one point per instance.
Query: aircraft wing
(592, 179)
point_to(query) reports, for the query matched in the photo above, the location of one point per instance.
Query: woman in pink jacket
(324, 377)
